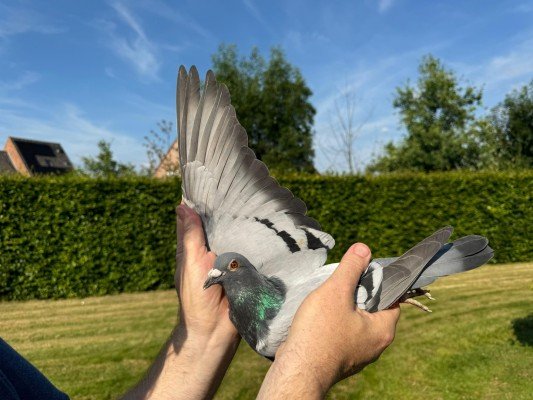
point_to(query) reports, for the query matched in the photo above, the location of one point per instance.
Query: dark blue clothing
(20, 380)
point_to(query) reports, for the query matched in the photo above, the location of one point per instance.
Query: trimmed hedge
(71, 236)
(393, 212)
(63, 237)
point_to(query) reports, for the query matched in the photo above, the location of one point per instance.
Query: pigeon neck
(253, 302)
(258, 293)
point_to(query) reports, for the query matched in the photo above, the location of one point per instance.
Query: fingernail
(360, 249)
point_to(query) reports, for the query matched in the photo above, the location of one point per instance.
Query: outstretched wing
(243, 208)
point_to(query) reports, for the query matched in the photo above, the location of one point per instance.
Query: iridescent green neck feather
(254, 301)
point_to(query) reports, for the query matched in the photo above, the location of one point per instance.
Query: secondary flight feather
(270, 254)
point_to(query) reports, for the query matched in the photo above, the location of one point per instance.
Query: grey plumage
(461, 255)
(225, 183)
(254, 223)
(401, 273)
(256, 298)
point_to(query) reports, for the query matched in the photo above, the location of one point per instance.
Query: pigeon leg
(417, 304)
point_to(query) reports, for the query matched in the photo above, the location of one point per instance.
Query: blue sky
(80, 71)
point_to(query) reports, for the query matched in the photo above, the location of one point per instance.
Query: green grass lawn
(477, 344)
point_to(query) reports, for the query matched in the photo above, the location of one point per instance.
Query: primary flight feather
(270, 254)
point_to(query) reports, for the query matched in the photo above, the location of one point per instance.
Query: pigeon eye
(233, 265)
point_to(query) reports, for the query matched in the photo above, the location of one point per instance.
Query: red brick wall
(16, 160)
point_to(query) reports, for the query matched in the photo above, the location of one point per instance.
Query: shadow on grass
(523, 330)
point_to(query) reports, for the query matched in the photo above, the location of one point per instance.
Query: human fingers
(347, 275)
(190, 230)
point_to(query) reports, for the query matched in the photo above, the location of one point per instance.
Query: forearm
(188, 367)
(287, 378)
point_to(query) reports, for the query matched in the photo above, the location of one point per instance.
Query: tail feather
(462, 255)
(399, 275)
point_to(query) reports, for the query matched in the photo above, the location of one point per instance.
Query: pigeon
(270, 254)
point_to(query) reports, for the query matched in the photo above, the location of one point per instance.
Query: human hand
(204, 314)
(330, 338)
(193, 362)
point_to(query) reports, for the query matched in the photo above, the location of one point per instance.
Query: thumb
(353, 264)
(190, 231)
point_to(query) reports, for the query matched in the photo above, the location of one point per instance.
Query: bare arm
(186, 368)
(194, 360)
(330, 338)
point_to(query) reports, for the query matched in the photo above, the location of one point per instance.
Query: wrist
(190, 366)
(217, 342)
(294, 376)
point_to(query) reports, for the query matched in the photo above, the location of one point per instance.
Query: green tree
(439, 116)
(512, 121)
(103, 165)
(271, 100)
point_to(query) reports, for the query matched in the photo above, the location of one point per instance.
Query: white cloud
(26, 79)
(502, 72)
(16, 21)
(128, 18)
(385, 5)
(256, 14)
(139, 51)
(526, 7)
(517, 63)
(161, 9)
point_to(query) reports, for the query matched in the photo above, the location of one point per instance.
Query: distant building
(33, 157)
(6, 167)
(170, 165)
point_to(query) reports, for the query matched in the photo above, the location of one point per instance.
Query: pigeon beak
(213, 277)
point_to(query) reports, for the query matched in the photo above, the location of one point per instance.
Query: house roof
(42, 157)
(5, 163)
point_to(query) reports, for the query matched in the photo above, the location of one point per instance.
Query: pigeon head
(228, 266)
